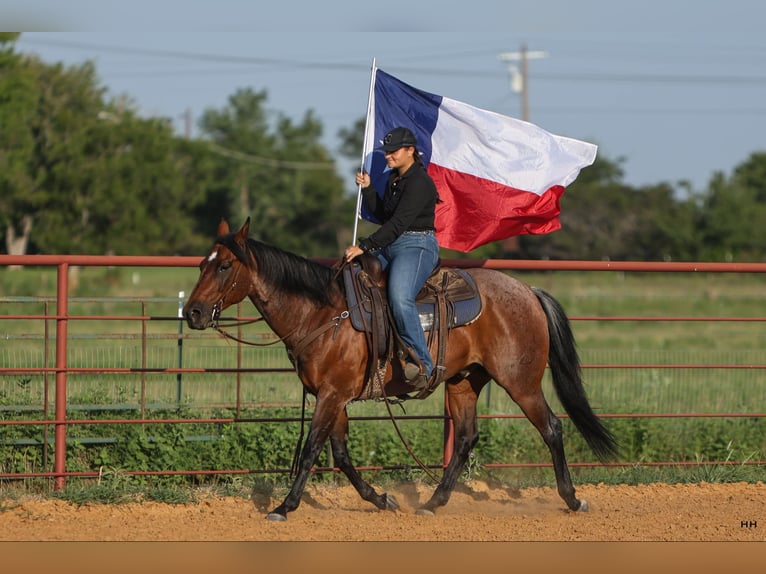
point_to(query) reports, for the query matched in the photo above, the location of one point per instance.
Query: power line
(659, 78)
(287, 64)
(196, 56)
(636, 111)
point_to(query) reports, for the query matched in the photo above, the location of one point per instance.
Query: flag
(497, 176)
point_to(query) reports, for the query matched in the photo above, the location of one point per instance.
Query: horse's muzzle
(198, 316)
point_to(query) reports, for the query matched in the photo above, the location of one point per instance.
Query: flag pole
(364, 152)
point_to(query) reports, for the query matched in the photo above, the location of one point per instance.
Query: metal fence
(63, 362)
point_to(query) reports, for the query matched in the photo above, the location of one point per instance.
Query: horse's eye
(224, 266)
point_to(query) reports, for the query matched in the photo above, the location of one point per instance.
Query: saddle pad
(463, 311)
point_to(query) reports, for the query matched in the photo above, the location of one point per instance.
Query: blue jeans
(410, 260)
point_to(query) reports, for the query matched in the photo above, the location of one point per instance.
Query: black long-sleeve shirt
(408, 204)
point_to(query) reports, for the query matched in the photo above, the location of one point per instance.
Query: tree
(733, 220)
(89, 174)
(352, 139)
(603, 218)
(667, 227)
(18, 194)
(588, 216)
(275, 172)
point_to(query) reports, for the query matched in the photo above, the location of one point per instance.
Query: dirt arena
(476, 512)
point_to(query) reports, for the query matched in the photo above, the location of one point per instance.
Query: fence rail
(59, 361)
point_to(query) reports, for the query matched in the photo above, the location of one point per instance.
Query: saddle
(448, 299)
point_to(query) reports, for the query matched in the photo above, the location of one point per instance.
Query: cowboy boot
(414, 376)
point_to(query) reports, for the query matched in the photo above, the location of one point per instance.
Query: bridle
(300, 345)
(218, 307)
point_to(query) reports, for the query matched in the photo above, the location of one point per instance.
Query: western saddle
(449, 299)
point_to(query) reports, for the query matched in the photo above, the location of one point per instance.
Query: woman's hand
(353, 251)
(363, 178)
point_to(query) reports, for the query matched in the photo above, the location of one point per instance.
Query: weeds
(170, 494)
(723, 471)
(84, 493)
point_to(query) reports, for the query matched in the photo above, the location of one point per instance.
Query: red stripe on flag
(476, 211)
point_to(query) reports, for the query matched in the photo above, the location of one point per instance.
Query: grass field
(154, 292)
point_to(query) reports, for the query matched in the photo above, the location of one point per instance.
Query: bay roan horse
(519, 330)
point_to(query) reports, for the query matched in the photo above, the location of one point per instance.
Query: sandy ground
(476, 512)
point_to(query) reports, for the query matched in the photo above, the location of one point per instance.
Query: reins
(226, 335)
(414, 456)
(302, 344)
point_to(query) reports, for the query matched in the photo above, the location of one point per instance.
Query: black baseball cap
(396, 138)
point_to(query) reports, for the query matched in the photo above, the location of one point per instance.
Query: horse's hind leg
(338, 440)
(462, 404)
(536, 409)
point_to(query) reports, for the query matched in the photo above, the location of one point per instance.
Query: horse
(519, 331)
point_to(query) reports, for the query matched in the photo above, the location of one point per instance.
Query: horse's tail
(564, 363)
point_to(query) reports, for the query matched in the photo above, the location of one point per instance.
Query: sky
(675, 89)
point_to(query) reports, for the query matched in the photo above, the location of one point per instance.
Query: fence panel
(66, 358)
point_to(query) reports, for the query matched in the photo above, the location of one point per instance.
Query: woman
(405, 243)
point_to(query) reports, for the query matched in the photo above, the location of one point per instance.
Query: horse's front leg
(338, 440)
(321, 424)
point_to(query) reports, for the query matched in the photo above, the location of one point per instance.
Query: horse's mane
(287, 271)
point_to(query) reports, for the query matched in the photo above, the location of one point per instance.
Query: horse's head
(222, 280)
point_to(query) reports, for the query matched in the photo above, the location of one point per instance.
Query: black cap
(396, 138)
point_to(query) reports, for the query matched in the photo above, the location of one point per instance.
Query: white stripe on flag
(505, 150)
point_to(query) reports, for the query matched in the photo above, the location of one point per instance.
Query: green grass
(118, 343)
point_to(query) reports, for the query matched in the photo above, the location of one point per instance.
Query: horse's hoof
(424, 512)
(276, 517)
(583, 506)
(391, 503)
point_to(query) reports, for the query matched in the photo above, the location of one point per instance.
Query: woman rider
(405, 243)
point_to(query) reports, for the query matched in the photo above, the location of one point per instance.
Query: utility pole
(187, 116)
(518, 69)
(519, 73)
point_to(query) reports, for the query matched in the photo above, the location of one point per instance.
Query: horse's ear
(243, 232)
(223, 227)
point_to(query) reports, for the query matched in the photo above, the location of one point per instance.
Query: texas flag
(497, 176)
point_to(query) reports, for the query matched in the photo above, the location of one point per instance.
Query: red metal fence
(60, 421)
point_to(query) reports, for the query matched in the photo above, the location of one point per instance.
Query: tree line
(81, 172)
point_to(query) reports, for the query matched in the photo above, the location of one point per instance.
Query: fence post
(179, 376)
(62, 311)
(46, 384)
(143, 360)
